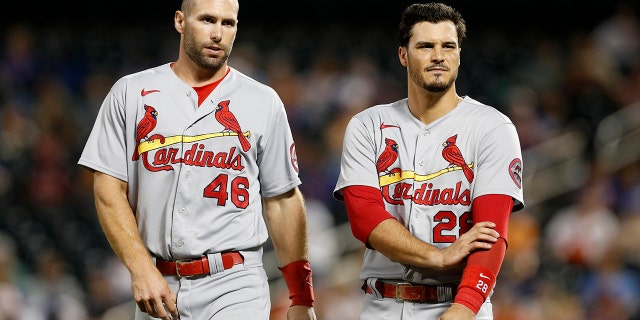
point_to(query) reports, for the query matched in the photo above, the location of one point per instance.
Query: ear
(402, 55)
(178, 21)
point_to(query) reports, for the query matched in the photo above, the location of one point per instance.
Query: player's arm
(118, 222)
(286, 221)
(378, 229)
(479, 276)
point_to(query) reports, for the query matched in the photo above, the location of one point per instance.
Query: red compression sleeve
(479, 276)
(365, 210)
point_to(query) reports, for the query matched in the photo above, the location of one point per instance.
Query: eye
(450, 45)
(229, 23)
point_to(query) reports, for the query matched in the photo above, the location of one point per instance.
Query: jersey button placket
(425, 133)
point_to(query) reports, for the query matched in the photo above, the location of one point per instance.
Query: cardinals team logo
(145, 126)
(230, 123)
(195, 152)
(452, 154)
(388, 157)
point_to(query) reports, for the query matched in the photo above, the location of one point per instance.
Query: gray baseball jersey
(196, 174)
(428, 175)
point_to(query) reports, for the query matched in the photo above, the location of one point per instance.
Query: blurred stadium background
(566, 72)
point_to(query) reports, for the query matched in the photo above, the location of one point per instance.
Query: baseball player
(194, 168)
(429, 183)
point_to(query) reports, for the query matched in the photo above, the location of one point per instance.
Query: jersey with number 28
(428, 175)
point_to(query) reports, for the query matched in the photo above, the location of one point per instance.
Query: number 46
(238, 190)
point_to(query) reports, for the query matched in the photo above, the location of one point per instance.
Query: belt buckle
(180, 262)
(398, 287)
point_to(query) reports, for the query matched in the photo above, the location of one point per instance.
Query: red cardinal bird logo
(388, 157)
(452, 154)
(230, 123)
(145, 126)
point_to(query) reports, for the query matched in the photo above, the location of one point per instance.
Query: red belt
(414, 292)
(196, 267)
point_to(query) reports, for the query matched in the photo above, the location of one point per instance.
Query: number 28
(446, 222)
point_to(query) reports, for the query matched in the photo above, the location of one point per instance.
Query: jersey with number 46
(428, 175)
(195, 174)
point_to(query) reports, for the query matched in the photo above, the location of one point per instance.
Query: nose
(216, 32)
(437, 54)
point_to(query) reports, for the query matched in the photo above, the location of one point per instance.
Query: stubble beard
(193, 49)
(418, 75)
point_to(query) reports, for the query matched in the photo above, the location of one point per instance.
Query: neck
(432, 106)
(196, 76)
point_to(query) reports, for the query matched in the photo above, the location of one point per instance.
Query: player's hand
(153, 295)
(457, 312)
(481, 236)
(301, 313)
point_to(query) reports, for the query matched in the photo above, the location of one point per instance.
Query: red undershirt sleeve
(479, 276)
(365, 210)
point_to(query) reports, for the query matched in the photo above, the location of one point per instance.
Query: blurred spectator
(591, 87)
(618, 36)
(108, 286)
(54, 291)
(581, 233)
(610, 290)
(13, 304)
(324, 250)
(19, 66)
(522, 107)
(628, 241)
(340, 296)
(627, 189)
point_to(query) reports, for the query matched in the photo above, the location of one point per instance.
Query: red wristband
(479, 280)
(469, 298)
(298, 276)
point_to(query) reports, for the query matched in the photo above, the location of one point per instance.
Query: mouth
(437, 69)
(214, 49)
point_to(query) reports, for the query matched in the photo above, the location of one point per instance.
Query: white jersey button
(180, 243)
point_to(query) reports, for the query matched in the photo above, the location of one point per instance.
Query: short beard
(193, 50)
(436, 86)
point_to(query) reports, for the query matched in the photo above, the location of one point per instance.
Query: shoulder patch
(294, 157)
(515, 171)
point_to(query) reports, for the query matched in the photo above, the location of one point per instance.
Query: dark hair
(429, 12)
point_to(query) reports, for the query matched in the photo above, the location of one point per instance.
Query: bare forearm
(403, 247)
(286, 220)
(118, 221)
(150, 291)
(396, 242)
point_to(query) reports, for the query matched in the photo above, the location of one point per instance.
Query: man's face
(209, 32)
(432, 56)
